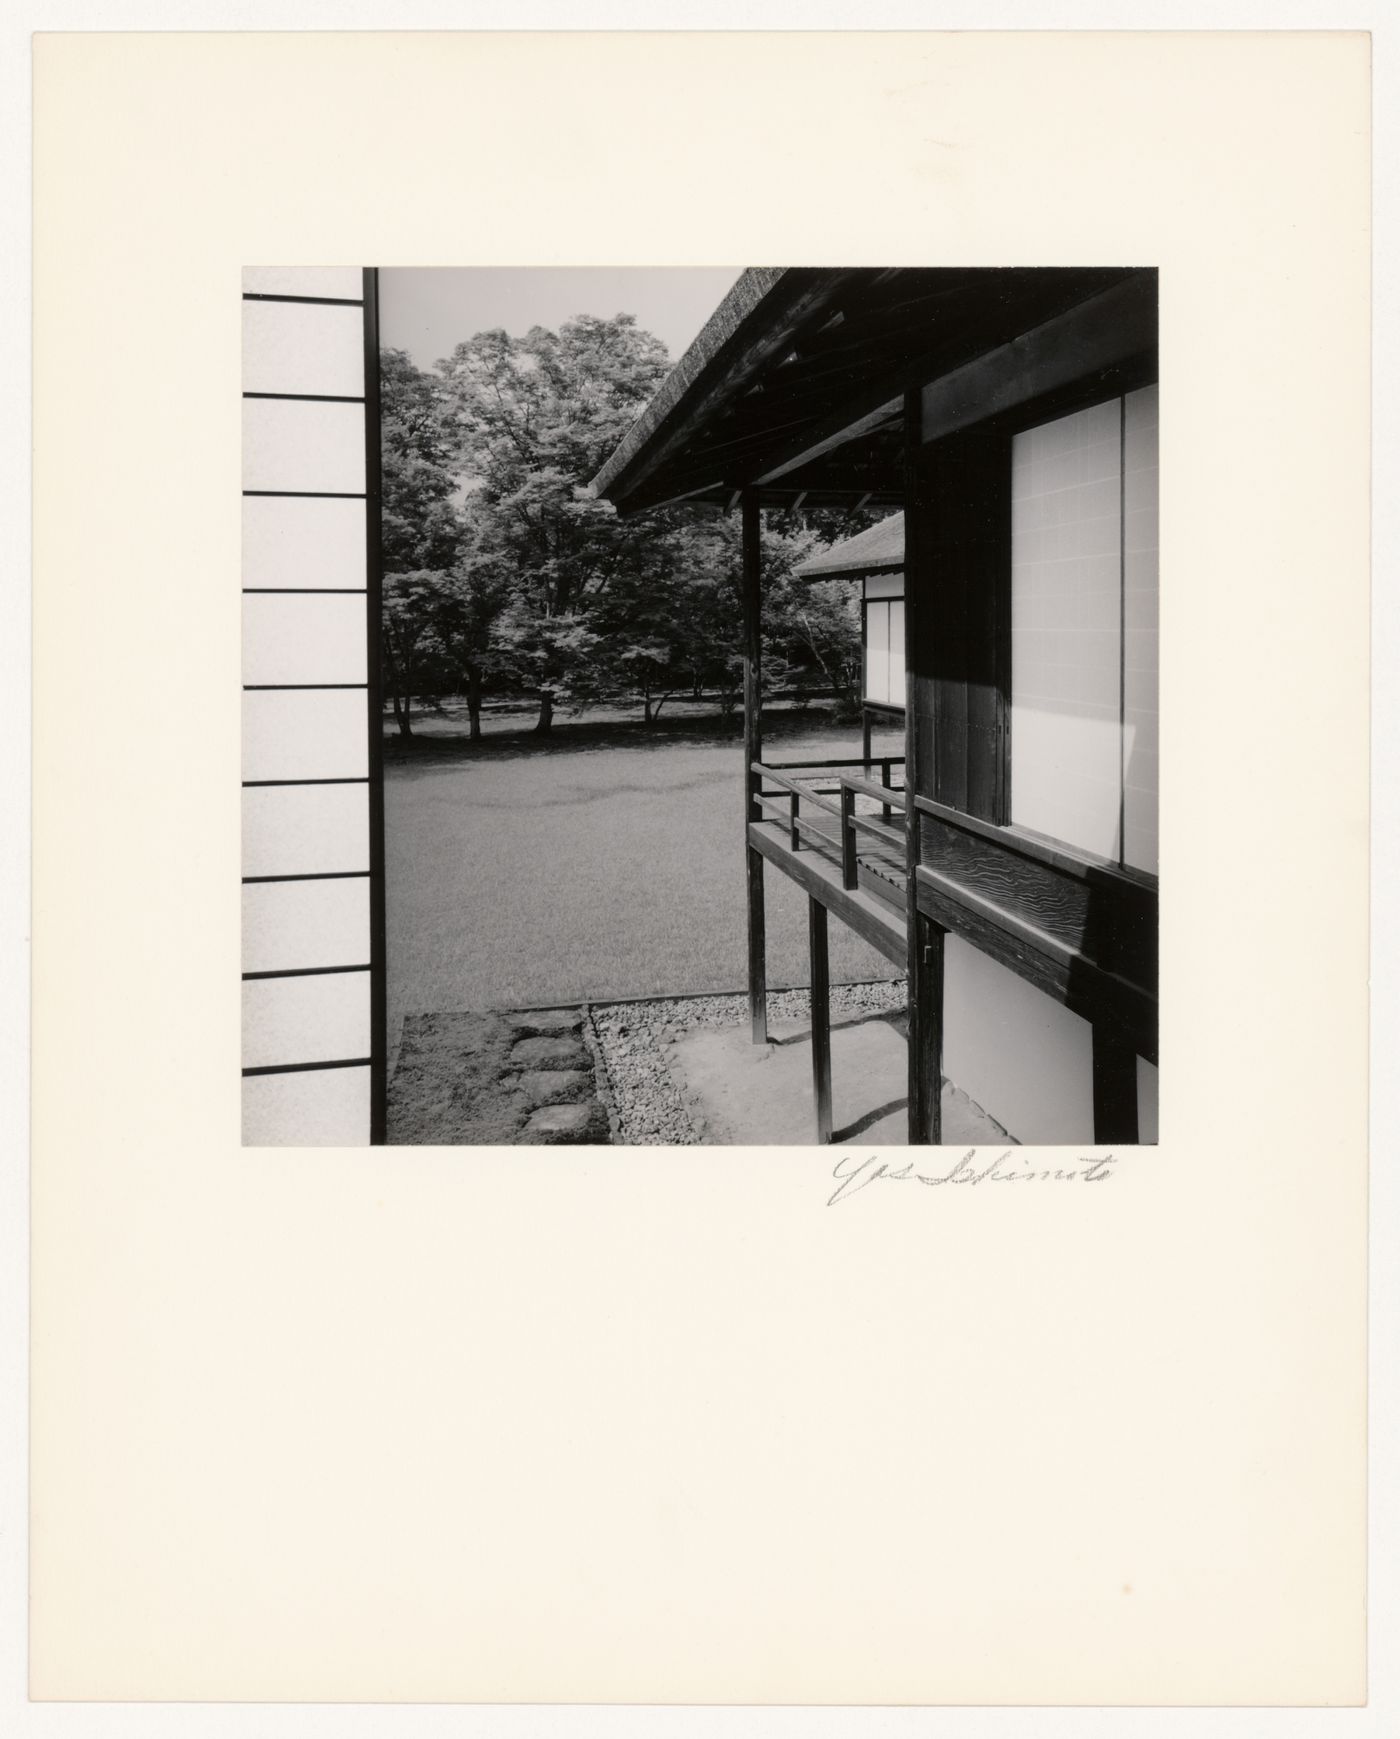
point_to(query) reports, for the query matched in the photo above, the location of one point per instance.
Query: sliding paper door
(313, 897)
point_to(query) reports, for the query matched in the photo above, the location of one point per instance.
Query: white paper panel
(291, 925)
(1066, 744)
(303, 639)
(318, 1108)
(896, 679)
(1020, 1054)
(303, 542)
(317, 735)
(295, 445)
(877, 651)
(1146, 1100)
(884, 585)
(303, 347)
(346, 281)
(300, 830)
(1140, 643)
(305, 1020)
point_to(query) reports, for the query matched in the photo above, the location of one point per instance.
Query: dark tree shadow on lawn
(572, 735)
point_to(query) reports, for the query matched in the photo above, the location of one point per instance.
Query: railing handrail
(893, 836)
(821, 801)
(892, 796)
(835, 761)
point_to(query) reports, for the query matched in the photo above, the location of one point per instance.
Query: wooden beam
(828, 432)
(1108, 329)
(821, 1016)
(1052, 965)
(753, 752)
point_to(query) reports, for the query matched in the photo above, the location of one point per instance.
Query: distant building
(875, 557)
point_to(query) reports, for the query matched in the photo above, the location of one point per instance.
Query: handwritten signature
(854, 1174)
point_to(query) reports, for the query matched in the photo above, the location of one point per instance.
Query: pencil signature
(853, 1175)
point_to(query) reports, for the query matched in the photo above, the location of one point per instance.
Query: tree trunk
(401, 715)
(546, 718)
(646, 708)
(474, 703)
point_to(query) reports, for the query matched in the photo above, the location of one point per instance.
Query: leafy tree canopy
(501, 569)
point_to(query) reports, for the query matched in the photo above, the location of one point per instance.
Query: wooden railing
(837, 800)
(1080, 929)
(853, 822)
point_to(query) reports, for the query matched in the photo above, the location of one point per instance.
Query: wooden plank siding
(965, 621)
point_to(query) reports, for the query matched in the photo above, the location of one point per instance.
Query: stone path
(516, 1079)
(676, 1071)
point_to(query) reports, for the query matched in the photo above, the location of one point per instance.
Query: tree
(421, 532)
(531, 420)
(501, 566)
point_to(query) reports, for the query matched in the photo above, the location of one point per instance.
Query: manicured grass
(609, 864)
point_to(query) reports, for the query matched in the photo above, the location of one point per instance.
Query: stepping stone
(550, 1053)
(555, 1086)
(561, 1125)
(547, 1022)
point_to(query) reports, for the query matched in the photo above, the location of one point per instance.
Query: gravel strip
(632, 1040)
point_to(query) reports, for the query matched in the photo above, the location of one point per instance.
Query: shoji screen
(1084, 584)
(1140, 651)
(1066, 629)
(313, 952)
(884, 638)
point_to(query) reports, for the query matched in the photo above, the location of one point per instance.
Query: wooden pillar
(374, 629)
(821, 1016)
(926, 1032)
(865, 734)
(1115, 1088)
(924, 939)
(753, 751)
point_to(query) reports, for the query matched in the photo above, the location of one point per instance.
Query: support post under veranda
(753, 752)
(821, 1016)
(924, 938)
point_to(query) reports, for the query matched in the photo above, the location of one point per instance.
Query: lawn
(606, 861)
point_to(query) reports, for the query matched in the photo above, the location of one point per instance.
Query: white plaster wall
(1024, 1057)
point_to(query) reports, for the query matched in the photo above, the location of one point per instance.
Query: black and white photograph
(700, 1031)
(700, 706)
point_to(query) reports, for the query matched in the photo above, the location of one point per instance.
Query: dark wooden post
(753, 752)
(865, 734)
(374, 629)
(1115, 1088)
(885, 781)
(924, 958)
(821, 1016)
(794, 839)
(850, 867)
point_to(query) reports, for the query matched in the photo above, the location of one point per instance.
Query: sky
(429, 310)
